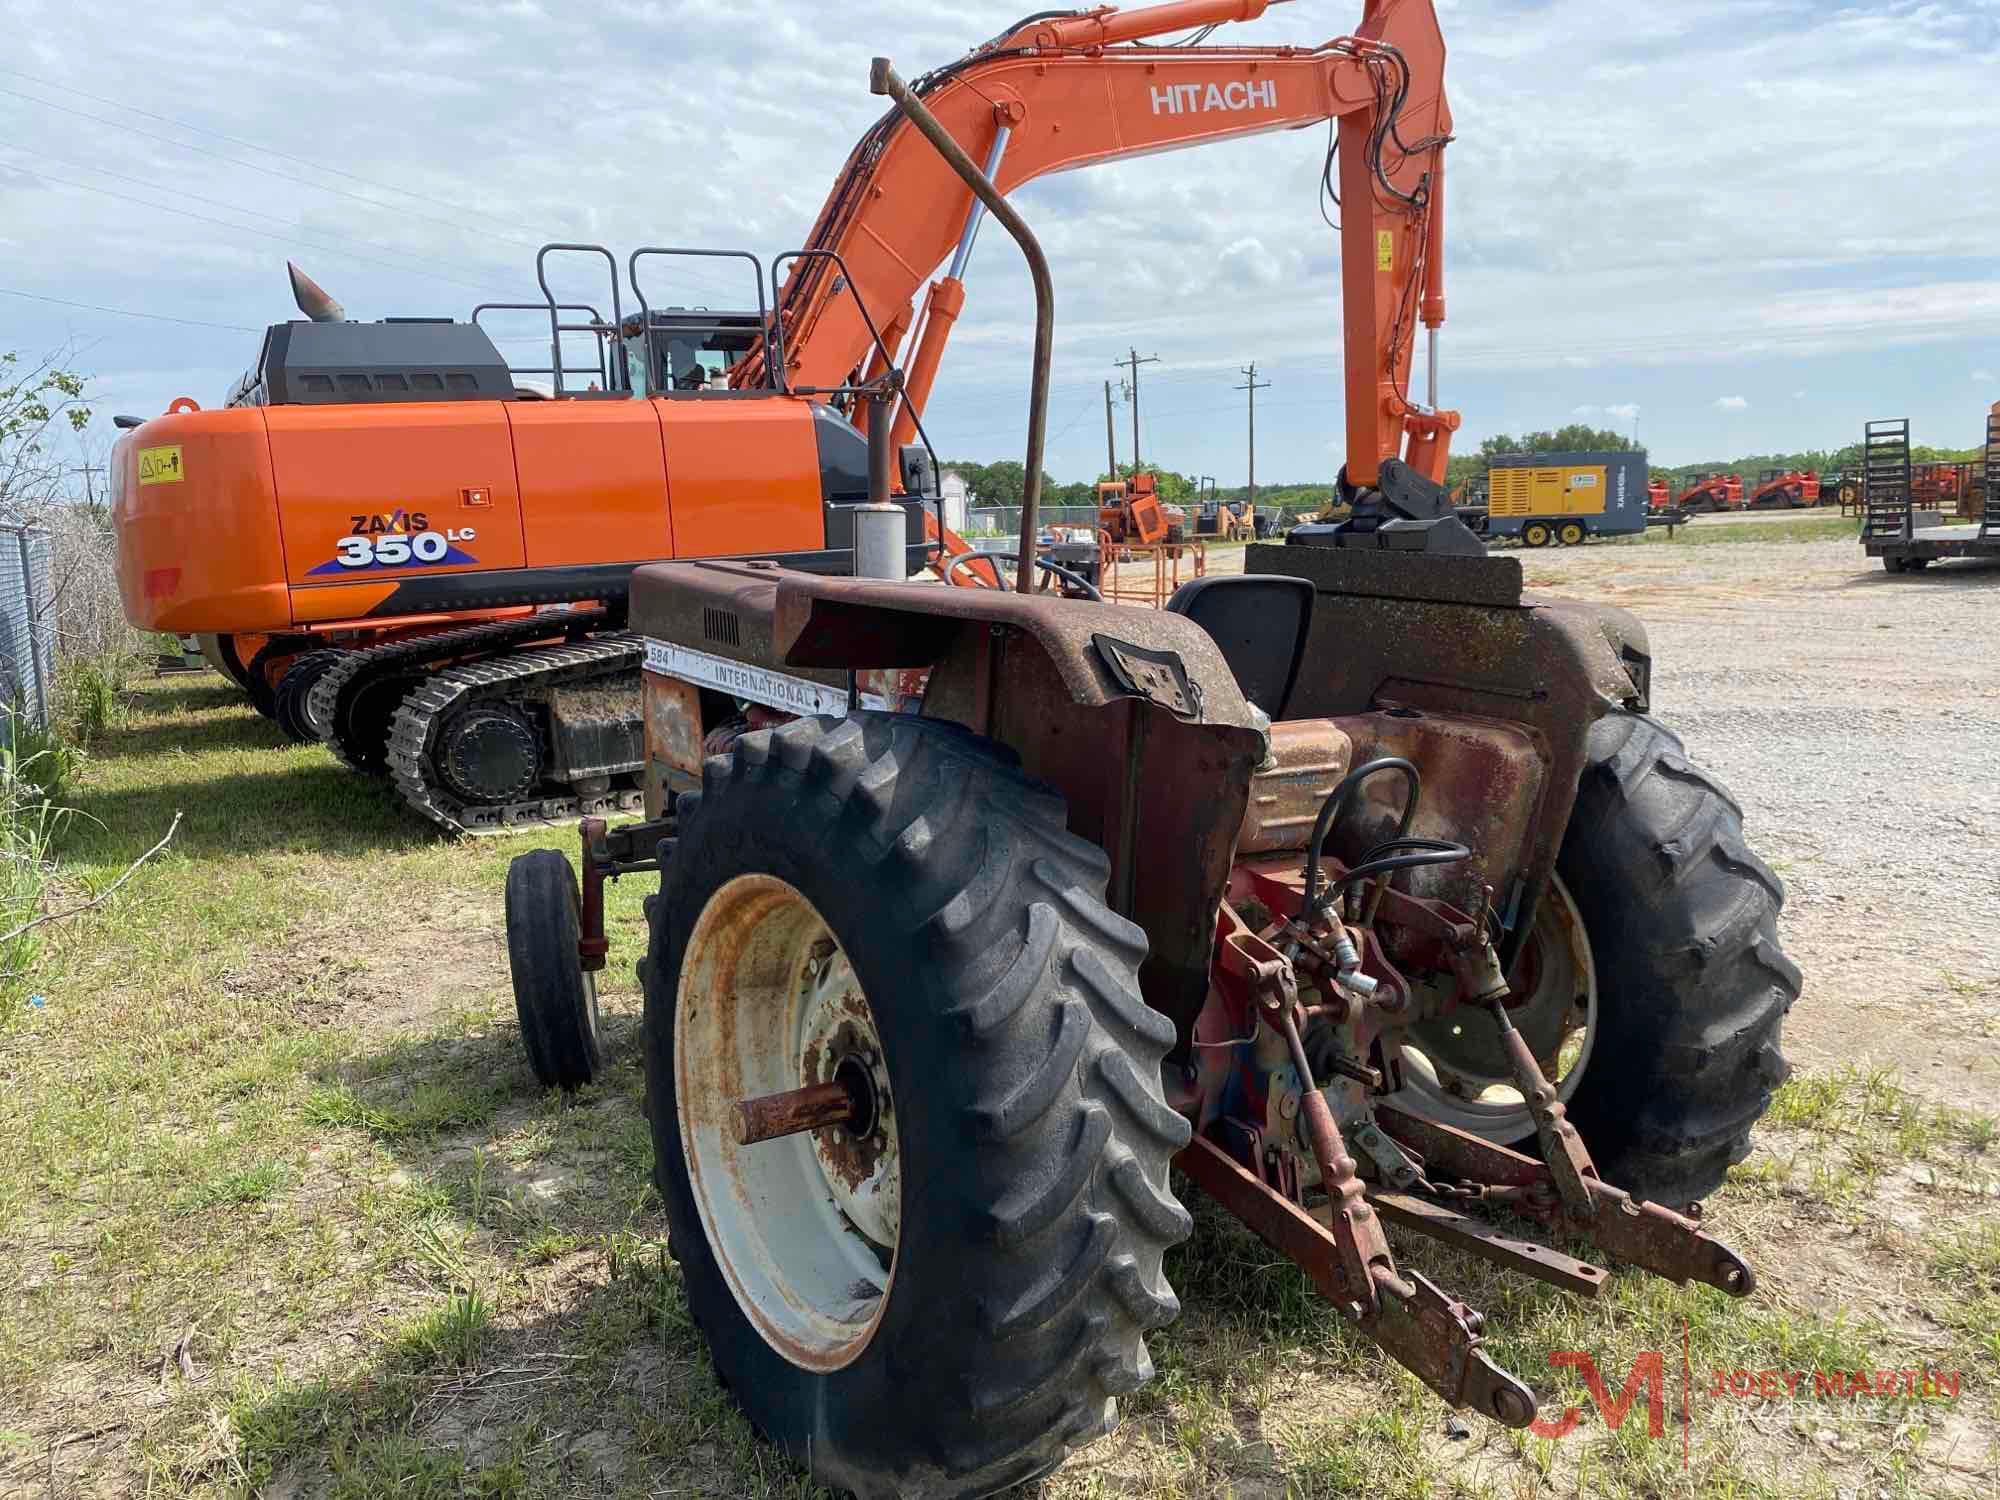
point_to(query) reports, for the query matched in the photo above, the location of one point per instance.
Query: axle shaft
(814, 1107)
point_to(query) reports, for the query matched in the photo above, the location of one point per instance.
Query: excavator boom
(1056, 93)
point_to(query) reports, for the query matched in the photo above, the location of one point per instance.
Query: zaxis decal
(402, 539)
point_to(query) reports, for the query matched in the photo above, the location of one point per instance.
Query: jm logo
(1194, 98)
(1648, 1374)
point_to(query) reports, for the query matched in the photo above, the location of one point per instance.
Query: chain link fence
(1005, 520)
(27, 627)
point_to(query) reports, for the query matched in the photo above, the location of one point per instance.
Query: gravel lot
(1856, 717)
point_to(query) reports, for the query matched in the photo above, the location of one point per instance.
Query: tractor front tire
(553, 996)
(1692, 986)
(912, 875)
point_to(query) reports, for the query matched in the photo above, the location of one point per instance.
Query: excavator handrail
(616, 378)
(603, 365)
(764, 320)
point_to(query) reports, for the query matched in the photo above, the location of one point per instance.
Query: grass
(1706, 532)
(279, 1196)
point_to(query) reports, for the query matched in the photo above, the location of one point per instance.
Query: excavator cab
(686, 351)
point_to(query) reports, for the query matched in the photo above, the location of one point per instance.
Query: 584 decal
(402, 539)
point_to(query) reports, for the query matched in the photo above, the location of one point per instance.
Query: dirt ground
(1855, 715)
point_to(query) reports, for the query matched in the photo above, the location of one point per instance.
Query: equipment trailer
(1889, 518)
(1361, 888)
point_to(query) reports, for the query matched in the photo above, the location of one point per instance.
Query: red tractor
(1358, 891)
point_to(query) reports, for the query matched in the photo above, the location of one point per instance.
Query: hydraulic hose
(1336, 803)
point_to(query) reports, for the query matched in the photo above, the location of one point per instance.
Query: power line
(283, 239)
(127, 312)
(386, 187)
(250, 166)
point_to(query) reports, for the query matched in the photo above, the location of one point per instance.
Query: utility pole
(1253, 386)
(1110, 442)
(1134, 362)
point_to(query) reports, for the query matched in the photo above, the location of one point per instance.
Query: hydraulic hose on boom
(1056, 93)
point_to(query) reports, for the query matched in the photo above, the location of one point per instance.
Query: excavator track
(363, 746)
(502, 679)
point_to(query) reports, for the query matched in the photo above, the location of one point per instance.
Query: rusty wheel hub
(1455, 1070)
(801, 1193)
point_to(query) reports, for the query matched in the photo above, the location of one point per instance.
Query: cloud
(1625, 409)
(1585, 411)
(1983, 377)
(1798, 395)
(1246, 263)
(1731, 403)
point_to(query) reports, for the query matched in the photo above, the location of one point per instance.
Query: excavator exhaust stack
(312, 298)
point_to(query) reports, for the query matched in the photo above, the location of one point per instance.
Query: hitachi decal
(1195, 98)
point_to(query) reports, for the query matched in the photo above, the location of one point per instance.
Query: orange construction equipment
(1129, 510)
(1711, 493)
(371, 488)
(1792, 488)
(1944, 487)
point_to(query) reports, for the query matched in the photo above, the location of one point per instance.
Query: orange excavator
(425, 562)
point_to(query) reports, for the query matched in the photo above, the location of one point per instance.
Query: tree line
(1001, 484)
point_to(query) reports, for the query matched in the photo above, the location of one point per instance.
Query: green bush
(91, 695)
(36, 768)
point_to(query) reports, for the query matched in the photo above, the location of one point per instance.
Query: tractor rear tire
(553, 996)
(1692, 986)
(1028, 1123)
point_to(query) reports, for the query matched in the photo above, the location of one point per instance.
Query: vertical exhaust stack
(312, 298)
(882, 79)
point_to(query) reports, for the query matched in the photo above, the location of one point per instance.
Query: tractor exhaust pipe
(882, 79)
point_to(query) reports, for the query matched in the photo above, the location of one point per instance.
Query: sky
(1727, 227)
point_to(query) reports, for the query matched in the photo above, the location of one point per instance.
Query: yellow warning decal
(161, 465)
(1385, 250)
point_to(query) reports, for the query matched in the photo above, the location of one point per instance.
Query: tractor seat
(1259, 622)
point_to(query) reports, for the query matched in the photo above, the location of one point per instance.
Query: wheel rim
(1572, 535)
(1454, 1070)
(805, 1228)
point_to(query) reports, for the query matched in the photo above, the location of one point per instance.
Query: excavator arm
(1066, 91)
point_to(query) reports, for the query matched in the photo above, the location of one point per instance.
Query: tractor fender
(1132, 714)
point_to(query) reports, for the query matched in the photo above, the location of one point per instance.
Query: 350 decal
(401, 539)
